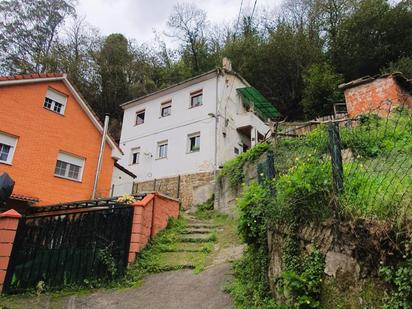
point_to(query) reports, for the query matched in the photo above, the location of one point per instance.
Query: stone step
(198, 237)
(179, 260)
(200, 226)
(184, 247)
(197, 231)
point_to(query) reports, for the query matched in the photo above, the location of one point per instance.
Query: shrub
(303, 194)
(233, 169)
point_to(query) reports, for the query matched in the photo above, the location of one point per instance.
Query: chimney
(227, 64)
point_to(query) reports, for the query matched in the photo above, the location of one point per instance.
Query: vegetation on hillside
(377, 162)
(295, 54)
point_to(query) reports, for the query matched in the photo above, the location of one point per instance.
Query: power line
(253, 11)
(238, 17)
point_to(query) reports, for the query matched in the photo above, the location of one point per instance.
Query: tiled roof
(31, 76)
(25, 198)
(402, 80)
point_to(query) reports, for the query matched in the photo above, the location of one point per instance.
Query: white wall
(122, 183)
(174, 128)
(182, 122)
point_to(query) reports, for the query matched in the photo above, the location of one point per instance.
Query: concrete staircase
(192, 247)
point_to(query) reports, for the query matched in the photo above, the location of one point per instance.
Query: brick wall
(378, 96)
(181, 187)
(150, 216)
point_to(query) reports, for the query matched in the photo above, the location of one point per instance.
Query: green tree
(28, 32)
(403, 65)
(373, 36)
(320, 90)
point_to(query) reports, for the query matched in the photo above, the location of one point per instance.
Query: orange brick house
(377, 94)
(50, 141)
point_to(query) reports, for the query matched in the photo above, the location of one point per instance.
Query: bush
(233, 169)
(303, 194)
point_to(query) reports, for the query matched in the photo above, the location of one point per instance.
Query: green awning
(252, 98)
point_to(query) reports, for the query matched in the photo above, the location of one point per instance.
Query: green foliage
(401, 280)
(254, 205)
(205, 210)
(403, 65)
(104, 256)
(320, 90)
(234, 169)
(250, 287)
(303, 194)
(302, 288)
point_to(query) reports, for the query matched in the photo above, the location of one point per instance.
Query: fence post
(335, 150)
(9, 221)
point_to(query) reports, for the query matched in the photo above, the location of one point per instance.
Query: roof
(253, 98)
(31, 76)
(124, 170)
(183, 84)
(49, 77)
(24, 198)
(398, 76)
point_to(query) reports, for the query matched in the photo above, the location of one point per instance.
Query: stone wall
(190, 189)
(353, 250)
(225, 196)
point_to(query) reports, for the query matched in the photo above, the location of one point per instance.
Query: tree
(403, 65)
(28, 32)
(189, 25)
(372, 37)
(114, 60)
(320, 90)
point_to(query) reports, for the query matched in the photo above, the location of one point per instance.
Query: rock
(337, 263)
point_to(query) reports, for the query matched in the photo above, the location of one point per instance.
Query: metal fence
(69, 243)
(366, 163)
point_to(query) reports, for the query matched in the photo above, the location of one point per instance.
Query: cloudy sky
(139, 19)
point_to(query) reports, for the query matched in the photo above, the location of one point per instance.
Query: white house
(193, 126)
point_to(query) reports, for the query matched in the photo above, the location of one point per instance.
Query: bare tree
(189, 25)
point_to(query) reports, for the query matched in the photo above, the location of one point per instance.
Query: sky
(138, 19)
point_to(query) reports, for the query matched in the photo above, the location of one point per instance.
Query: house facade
(192, 127)
(50, 141)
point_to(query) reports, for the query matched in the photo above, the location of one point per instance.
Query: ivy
(234, 169)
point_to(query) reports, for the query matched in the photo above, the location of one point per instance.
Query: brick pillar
(138, 238)
(9, 221)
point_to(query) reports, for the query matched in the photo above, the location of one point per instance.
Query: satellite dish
(6, 187)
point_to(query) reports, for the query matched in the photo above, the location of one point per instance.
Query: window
(194, 142)
(162, 150)
(140, 117)
(166, 109)
(7, 147)
(55, 101)
(135, 157)
(196, 98)
(236, 151)
(68, 166)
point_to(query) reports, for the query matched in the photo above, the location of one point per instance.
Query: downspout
(216, 123)
(99, 161)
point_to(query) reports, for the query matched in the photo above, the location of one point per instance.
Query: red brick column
(9, 221)
(140, 237)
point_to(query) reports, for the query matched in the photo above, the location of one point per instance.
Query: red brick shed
(378, 94)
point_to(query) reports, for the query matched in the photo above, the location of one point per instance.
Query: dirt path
(180, 289)
(174, 290)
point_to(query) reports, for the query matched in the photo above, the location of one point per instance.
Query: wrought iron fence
(70, 243)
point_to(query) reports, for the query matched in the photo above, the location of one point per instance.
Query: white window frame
(10, 141)
(70, 160)
(159, 145)
(143, 111)
(196, 94)
(189, 144)
(54, 98)
(134, 151)
(164, 105)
